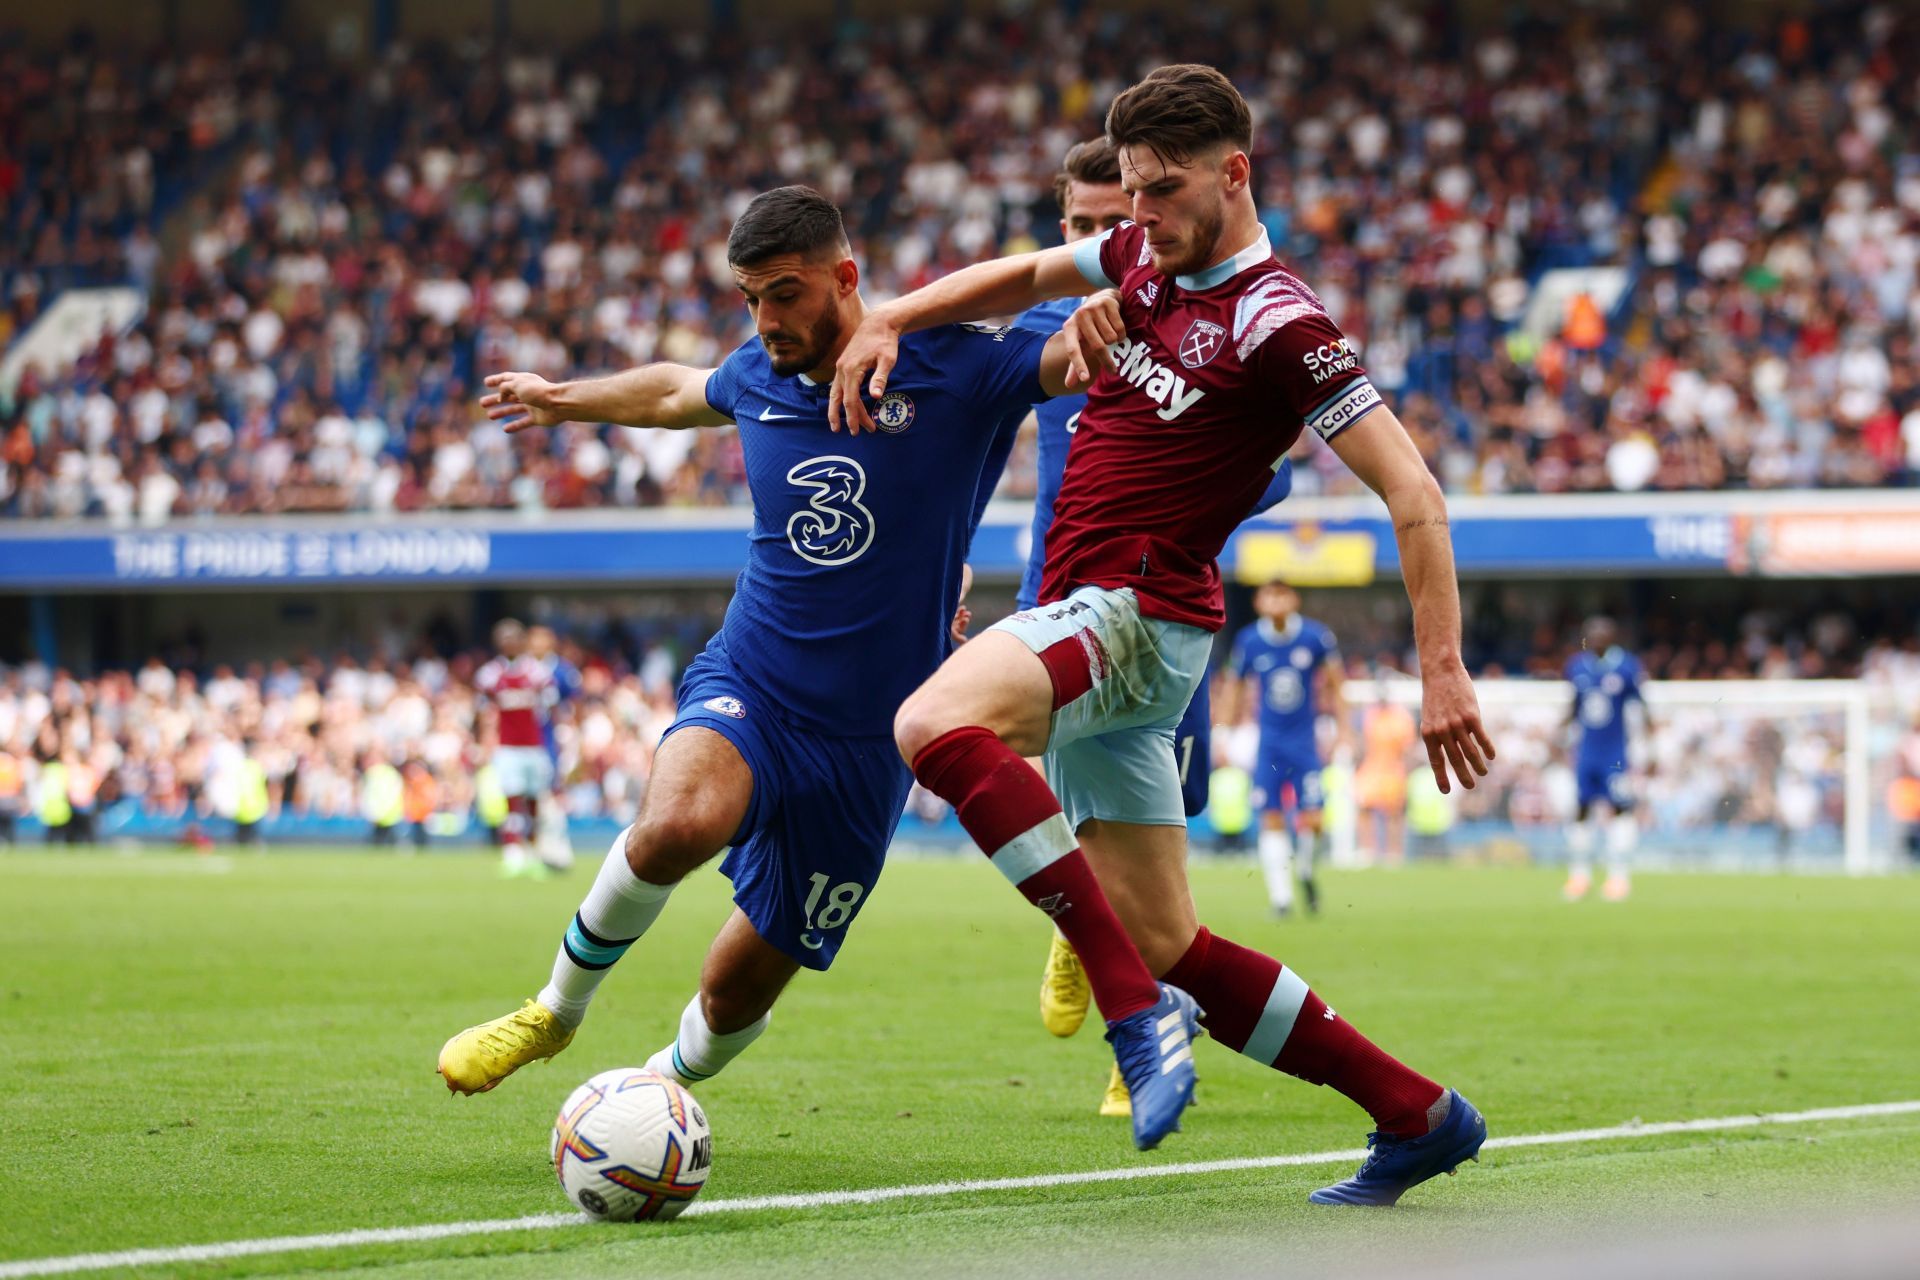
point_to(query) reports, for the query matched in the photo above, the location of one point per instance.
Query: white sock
(699, 1054)
(1580, 845)
(1623, 833)
(619, 908)
(1276, 863)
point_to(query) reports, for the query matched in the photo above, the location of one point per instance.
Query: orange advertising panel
(1837, 542)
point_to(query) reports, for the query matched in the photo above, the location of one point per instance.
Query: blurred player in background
(551, 843)
(518, 693)
(1380, 781)
(1288, 667)
(1606, 680)
(1211, 359)
(781, 749)
(1092, 202)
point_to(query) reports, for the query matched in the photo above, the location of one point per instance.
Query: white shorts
(524, 771)
(1121, 684)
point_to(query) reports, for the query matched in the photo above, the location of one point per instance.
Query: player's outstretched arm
(1378, 450)
(654, 395)
(979, 292)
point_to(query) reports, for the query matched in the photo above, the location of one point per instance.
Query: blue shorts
(1193, 750)
(824, 810)
(1285, 785)
(1604, 780)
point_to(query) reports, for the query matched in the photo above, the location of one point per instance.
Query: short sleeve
(1006, 363)
(1242, 655)
(1105, 259)
(1089, 256)
(1298, 352)
(725, 384)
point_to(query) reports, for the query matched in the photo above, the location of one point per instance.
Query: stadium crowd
(374, 238)
(174, 741)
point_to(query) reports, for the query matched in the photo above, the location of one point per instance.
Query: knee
(922, 718)
(668, 842)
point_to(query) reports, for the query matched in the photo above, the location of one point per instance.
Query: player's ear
(1238, 171)
(846, 277)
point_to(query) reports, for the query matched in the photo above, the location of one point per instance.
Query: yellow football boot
(481, 1057)
(1064, 993)
(1118, 1101)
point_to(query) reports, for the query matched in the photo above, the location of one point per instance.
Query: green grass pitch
(195, 1050)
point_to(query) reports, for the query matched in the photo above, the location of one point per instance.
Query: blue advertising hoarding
(1328, 541)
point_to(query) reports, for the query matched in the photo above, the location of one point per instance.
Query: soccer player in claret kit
(782, 749)
(1211, 358)
(519, 693)
(1092, 201)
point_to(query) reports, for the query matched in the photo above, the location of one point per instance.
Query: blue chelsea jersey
(1602, 687)
(1056, 420)
(1285, 663)
(853, 569)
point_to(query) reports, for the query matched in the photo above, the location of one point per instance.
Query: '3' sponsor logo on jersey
(833, 528)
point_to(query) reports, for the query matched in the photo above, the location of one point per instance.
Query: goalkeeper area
(224, 1051)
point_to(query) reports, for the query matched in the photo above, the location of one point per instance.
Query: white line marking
(880, 1195)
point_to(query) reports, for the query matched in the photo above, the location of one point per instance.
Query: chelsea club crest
(894, 413)
(726, 706)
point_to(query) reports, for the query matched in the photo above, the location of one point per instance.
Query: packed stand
(314, 338)
(172, 744)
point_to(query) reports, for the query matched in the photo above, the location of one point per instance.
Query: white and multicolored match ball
(631, 1145)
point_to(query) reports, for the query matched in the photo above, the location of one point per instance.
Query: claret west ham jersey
(1213, 383)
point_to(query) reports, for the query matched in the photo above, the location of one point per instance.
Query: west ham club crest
(1202, 343)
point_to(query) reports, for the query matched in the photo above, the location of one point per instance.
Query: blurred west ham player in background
(1287, 671)
(518, 692)
(1092, 202)
(1211, 358)
(1606, 679)
(551, 843)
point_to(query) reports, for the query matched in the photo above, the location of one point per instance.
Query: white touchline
(877, 1195)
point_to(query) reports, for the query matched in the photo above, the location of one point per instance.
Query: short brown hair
(1094, 161)
(1179, 111)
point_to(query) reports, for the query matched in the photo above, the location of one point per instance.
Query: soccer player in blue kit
(782, 748)
(1288, 666)
(1605, 678)
(1093, 201)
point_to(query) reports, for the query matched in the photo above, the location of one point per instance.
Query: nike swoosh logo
(768, 415)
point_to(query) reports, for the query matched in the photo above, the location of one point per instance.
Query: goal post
(1736, 772)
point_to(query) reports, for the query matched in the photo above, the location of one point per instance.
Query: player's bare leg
(695, 802)
(742, 977)
(1255, 1005)
(965, 732)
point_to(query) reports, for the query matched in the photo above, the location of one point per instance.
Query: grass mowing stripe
(877, 1195)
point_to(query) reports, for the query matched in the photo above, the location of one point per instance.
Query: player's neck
(850, 318)
(1242, 243)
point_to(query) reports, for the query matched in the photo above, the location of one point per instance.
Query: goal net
(1735, 773)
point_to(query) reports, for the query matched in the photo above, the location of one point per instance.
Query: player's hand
(1093, 326)
(962, 616)
(1450, 724)
(520, 400)
(875, 346)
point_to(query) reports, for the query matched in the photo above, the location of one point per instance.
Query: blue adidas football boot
(1396, 1165)
(1155, 1051)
